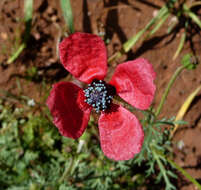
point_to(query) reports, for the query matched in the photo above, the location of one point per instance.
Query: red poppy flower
(84, 56)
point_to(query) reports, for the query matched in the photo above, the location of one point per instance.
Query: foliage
(34, 156)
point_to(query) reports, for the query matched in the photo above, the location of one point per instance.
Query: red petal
(66, 107)
(134, 82)
(121, 134)
(84, 56)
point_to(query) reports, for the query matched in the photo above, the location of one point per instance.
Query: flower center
(99, 95)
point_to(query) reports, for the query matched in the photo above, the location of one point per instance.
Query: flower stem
(67, 170)
(74, 161)
(165, 94)
(161, 167)
(119, 100)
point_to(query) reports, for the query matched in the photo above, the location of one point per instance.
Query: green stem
(160, 165)
(181, 45)
(158, 155)
(165, 94)
(184, 172)
(17, 53)
(67, 170)
(119, 100)
(74, 161)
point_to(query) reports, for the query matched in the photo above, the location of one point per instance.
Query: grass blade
(132, 41)
(185, 173)
(67, 13)
(167, 89)
(194, 18)
(28, 11)
(171, 27)
(181, 45)
(161, 22)
(16, 54)
(184, 108)
(192, 15)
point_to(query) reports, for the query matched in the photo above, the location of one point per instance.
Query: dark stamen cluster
(99, 95)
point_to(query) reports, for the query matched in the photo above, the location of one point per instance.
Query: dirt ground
(116, 21)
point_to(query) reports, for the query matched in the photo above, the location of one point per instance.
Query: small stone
(180, 144)
(31, 102)
(4, 36)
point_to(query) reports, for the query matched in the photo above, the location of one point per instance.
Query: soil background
(116, 21)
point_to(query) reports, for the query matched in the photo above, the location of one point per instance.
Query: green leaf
(192, 15)
(188, 61)
(160, 23)
(131, 42)
(16, 53)
(28, 135)
(67, 13)
(194, 18)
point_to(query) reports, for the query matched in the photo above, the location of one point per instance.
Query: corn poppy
(84, 56)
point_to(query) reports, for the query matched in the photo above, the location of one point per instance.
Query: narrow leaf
(185, 107)
(16, 54)
(132, 41)
(192, 15)
(28, 11)
(67, 13)
(180, 46)
(185, 173)
(160, 23)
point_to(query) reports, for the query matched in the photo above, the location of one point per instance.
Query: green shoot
(185, 173)
(187, 65)
(28, 10)
(131, 42)
(160, 23)
(67, 13)
(162, 15)
(180, 46)
(192, 15)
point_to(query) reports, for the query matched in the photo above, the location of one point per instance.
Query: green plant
(28, 9)
(182, 12)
